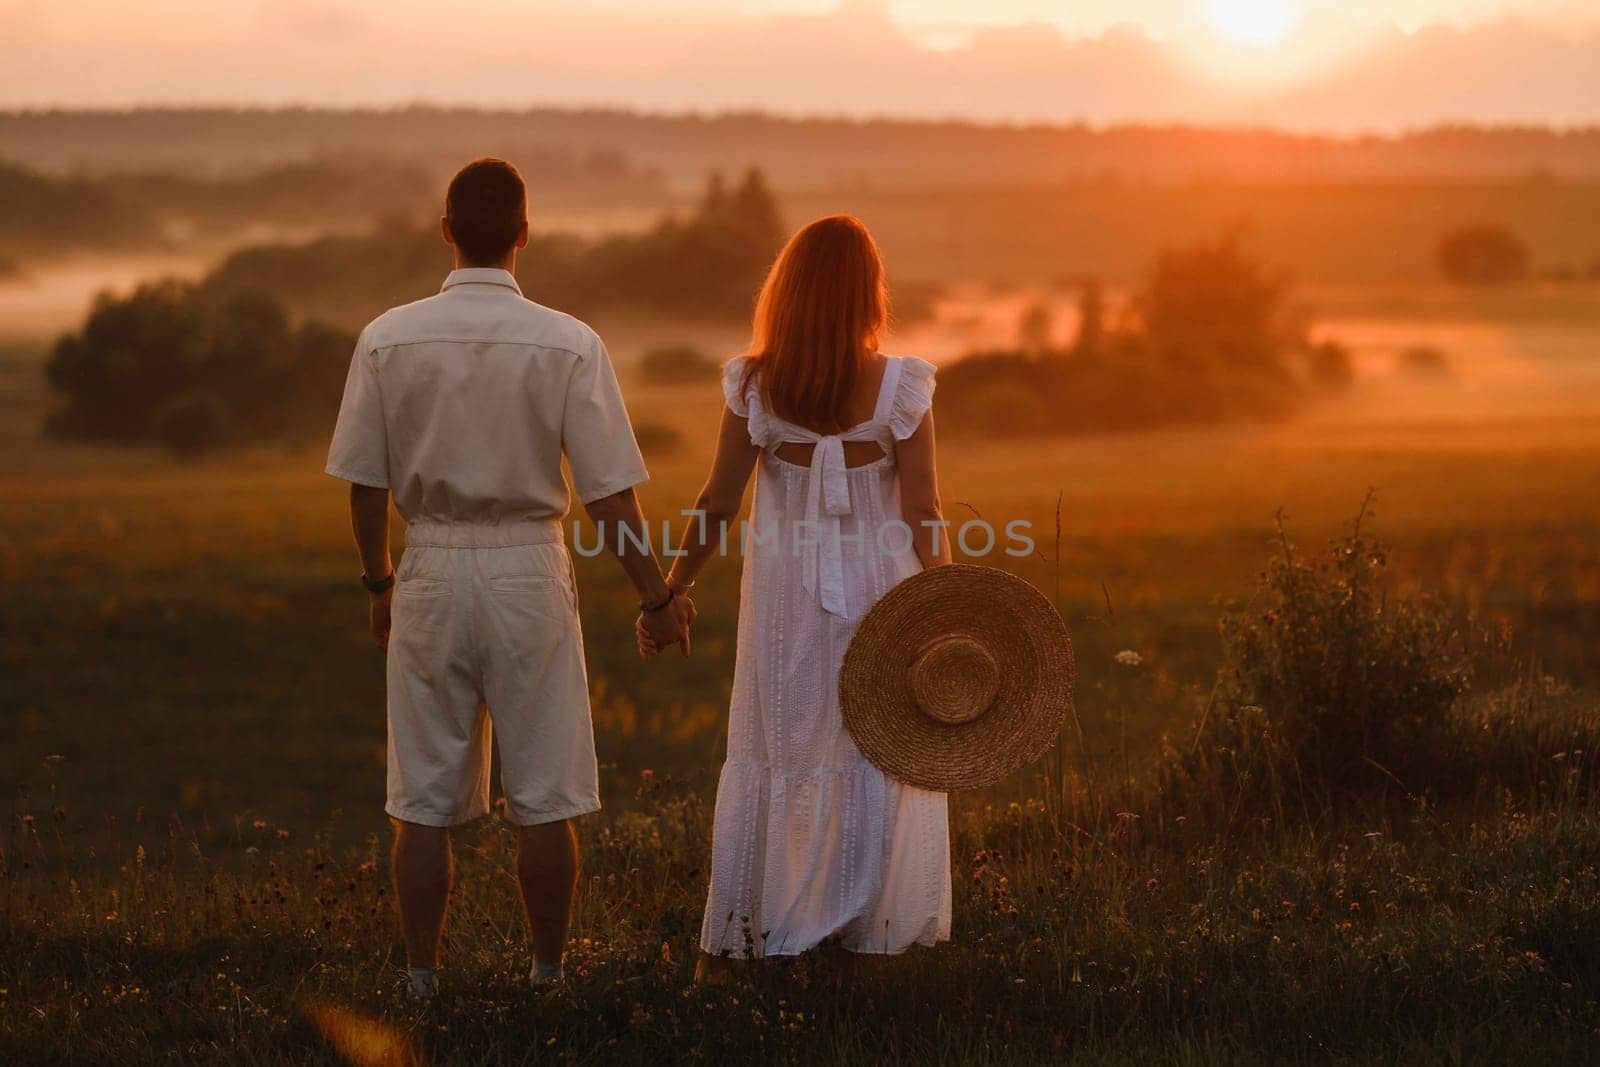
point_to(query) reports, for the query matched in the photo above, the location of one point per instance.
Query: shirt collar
(481, 276)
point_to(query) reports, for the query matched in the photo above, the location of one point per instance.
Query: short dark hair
(486, 205)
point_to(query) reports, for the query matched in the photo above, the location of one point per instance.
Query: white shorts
(485, 629)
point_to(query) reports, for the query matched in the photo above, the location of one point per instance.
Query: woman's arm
(919, 495)
(719, 502)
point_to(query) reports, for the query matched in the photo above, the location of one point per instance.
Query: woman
(812, 842)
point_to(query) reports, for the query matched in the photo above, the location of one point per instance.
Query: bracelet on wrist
(650, 609)
(678, 585)
(379, 586)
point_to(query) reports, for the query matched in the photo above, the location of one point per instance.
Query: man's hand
(379, 616)
(656, 630)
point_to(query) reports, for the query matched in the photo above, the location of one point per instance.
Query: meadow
(194, 866)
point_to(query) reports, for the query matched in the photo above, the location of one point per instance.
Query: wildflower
(1128, 658)
(54, 759)
(283, 835)
(259, 824)
(646, 774)
(27, 820)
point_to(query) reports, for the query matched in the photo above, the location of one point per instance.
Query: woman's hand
(655, 630)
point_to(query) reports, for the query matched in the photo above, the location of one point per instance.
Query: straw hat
(958, 676)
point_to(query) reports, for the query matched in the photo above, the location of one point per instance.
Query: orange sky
(1359, 64)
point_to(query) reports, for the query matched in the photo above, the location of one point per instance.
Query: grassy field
(194, 862)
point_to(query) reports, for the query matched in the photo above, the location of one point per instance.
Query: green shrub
(1210, 337)
(192, 424)
(1482, 254)
(1424, 361)
(1328, 366)
(1329, 683)
(173, 365)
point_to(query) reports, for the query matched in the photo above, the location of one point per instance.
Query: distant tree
(1212, 338)
(1091, 320)
(706, 266)
(753, 212)
(192, 424)
(1211, 306)
(1328, 366)
(175, 365)
(714, 201)
(47, 214)
(1482, 254)
(1424, 361)
(1036, 328)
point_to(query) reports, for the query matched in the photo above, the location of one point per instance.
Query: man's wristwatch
(379, 587)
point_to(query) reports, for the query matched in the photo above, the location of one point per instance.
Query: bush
(1211, 339)
(676, 365)
(1328, 366)
(1328, 684)
(1424, 361)
(192, 424)
(173, 365)
(1482, 254)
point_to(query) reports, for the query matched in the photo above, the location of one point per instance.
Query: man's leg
(422, 865)
(547, 870)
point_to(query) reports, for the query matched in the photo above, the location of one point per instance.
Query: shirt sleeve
(360, 449)
(595, 432)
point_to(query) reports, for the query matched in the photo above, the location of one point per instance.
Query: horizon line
(1331, 132)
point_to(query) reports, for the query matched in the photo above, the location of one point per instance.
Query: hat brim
(1018, 627)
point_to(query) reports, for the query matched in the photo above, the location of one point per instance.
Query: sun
(1258, 22)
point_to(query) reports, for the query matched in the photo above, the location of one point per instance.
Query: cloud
(849, 61)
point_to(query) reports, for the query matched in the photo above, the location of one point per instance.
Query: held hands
(669, 625)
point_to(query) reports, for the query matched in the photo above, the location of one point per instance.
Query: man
(461, 406)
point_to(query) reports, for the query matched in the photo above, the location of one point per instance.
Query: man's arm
(621, 523)
(369, 518)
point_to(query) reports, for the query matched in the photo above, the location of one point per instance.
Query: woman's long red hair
(820, 312)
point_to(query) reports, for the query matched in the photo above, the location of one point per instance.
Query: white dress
(810, 839)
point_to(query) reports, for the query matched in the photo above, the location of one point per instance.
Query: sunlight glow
(1258, 22)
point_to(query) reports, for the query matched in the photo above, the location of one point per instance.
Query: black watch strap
(379, 587)
(651, 609)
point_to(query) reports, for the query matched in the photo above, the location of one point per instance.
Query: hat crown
(954, 679)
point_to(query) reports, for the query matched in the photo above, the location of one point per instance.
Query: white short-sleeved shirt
(462, 405)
